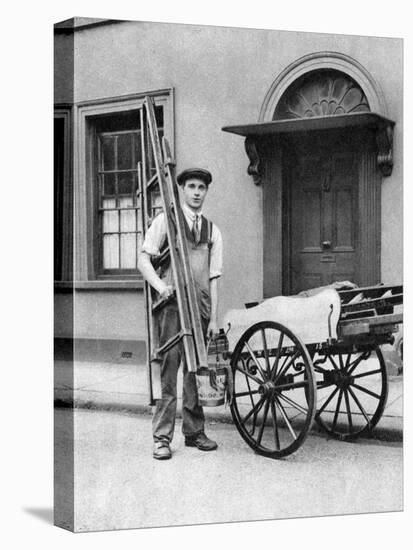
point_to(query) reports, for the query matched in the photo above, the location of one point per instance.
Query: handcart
(295, 360)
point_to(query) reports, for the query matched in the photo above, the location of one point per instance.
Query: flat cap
(198, 173)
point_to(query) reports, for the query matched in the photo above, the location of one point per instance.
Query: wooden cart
(283, 382)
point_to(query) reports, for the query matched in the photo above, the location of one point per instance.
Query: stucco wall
(220, 76)
(104, 315)
(107, 315)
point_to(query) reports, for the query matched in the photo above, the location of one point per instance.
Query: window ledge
(99, 285)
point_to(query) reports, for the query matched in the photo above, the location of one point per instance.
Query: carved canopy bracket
(384, 140)
(256, 145)
(254, 165)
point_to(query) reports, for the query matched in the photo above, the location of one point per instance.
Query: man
(205, 256)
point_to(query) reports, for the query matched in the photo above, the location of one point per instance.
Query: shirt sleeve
(155, 236)
(215, 267)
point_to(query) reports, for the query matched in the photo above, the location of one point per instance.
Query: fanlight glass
(321, 93)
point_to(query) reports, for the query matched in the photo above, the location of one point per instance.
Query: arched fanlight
(321, 93)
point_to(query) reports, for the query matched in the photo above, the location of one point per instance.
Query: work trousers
(193, 419)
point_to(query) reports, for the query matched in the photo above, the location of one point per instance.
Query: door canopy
(319, 92)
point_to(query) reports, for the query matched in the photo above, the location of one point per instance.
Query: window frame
(86, 220)
(63, 201)
(101, 271)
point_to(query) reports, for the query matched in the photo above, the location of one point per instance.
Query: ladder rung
(172, 342)
(163, 302)
(152, 182)
(162, 258)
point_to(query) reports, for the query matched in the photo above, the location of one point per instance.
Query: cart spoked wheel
(274, 398)
(351, 392)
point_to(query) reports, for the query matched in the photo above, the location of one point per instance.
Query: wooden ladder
(164, 185)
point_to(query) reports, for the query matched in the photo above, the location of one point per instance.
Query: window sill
(99, 285)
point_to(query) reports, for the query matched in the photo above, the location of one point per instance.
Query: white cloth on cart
(306, 317)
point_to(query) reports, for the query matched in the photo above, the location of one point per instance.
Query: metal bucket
(211, 384)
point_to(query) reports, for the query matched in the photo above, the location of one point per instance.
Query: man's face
(194, 193)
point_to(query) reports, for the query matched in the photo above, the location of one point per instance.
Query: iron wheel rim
(272, 391)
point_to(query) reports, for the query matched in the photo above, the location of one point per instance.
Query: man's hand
(212, 329)
(165, 290)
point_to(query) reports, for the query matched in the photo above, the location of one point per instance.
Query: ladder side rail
(145, 217)
(184, 315)
(147, 290)
(184, 254)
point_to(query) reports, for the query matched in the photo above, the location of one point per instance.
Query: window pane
(109, 184)
(124, 202)
(127, 219)
(156, 203)
(125, 182)
(140, 241)
(110, 218)
(110, 251)
(125, 161)
(109, 203)
(128, 251)
(108, 152)
(138, 147)
(139, 219)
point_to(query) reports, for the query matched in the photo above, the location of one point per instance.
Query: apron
(199, 260)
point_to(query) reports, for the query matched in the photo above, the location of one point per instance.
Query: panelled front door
(324, 217)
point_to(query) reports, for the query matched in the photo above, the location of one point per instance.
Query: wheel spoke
(255, 361)
(340, 396)
(287, 366)
(264, 419)
(286, 358)
(255, 410)
(277, 359)
(327, 402)
(369, 373)
(359, 405)
(274, 423)
(244, 393)
(265, 347)
(286, 420)
(293, 403)
(347, 361)
(254, 423)
(249, 388)
(356, 363)
(340, 358)
(365, 390)
(333, 363)
(249, 375)
(350, 420)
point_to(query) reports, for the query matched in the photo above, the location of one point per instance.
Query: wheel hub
(339, 378)
(267, 389)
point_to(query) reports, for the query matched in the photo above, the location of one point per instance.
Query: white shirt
(156, 233)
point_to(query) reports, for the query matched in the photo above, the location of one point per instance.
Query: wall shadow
(45, 514)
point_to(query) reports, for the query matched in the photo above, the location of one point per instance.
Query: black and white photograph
(228, 274)
(208, 289)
